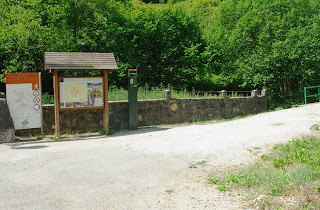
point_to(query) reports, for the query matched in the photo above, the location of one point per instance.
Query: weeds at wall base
(56, 137)
(102, 131)
(39, 137)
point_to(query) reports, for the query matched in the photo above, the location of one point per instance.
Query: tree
(166, 46)
(270, 44)
(21, 35)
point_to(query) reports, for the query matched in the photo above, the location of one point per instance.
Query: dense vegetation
(200, 44)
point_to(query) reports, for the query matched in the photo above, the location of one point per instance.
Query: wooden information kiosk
(80, 92)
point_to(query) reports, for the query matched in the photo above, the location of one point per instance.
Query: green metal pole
(305, 95)
(319, 93)
(132, 98)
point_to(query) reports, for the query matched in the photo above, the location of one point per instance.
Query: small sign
(24, 99)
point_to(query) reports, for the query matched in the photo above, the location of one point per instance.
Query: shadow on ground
(138, 131)
(29, 147)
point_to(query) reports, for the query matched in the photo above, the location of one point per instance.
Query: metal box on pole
(132, 98)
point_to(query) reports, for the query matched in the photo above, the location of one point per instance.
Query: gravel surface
(146, 168)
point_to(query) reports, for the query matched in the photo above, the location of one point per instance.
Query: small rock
(261, 197)
(295, 203)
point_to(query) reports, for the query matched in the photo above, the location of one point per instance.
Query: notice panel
(81, 92)
(24, 99)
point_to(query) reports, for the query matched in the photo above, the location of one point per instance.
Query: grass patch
(202, 163)
(214, 180)
(192, 166)
(102, 131)
(146, 92)
(254, 150)
(279, 173)
(56, 137)
(39, 137)
(169, 191)
(47, 99)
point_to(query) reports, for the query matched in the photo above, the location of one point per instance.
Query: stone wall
(154, 112)
(7, 133)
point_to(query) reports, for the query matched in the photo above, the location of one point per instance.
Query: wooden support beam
(105, 101)
(56, 101)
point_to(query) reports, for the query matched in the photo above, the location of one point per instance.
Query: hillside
(200, 44)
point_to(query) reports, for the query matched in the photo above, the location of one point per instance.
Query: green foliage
(281, 172)
(169, 191)
(164, 43)
(233, 178)
(118, 94)
(222, 188)
(201, 163)
(47, 99)
(192, 166)
(39, 137)
(213, 180)
(271, 44)
(56, 137)
(102, 131)
(198, 44)
(21, 35)
(111, 131)
(166, 47)
(314, 127)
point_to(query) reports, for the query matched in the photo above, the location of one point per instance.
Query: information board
(81, 92)
(24, 99)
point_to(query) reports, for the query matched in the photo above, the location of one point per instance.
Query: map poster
(24, 99)
(81, 92)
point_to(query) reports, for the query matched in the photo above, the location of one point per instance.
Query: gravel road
(146, 168)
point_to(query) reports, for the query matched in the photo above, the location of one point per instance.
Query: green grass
(201, 163)
(39, 137)
(47, 99)
(102, 131)
(118, 94)
(279, 173)
(169, 191)
(144, 93)
(56, 137)
(192, 166)
(214, 180)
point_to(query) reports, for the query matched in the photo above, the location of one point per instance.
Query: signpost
(24, 99)
(132, 98)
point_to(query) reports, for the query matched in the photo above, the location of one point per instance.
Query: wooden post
(105, 101)
(56, 101)
(40, 88)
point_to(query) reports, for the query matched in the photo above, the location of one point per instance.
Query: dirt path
(143, 169)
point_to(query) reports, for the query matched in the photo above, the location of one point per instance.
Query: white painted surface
(24, 105)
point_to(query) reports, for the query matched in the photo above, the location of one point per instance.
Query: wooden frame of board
(55, 61)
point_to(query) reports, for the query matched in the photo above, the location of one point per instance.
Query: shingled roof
(79, 60)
